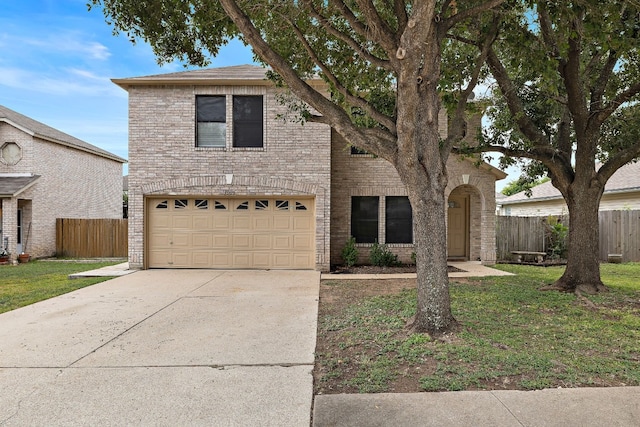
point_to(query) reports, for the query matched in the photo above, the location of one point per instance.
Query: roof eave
(133, 82)
(559, 197)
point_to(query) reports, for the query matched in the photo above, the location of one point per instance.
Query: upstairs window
(364, 218)
(247, 121)
(399, 220)
(211, 113)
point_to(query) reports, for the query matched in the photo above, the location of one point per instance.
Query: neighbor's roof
(42, 131)
(236, 75)
(625, 179)
(12, 185)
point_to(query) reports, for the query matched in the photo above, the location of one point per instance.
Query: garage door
(230, 233)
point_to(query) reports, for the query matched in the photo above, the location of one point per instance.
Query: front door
(458, 227)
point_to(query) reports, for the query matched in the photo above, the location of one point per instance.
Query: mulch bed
(373, 269)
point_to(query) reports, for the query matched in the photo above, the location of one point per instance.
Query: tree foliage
(387, 65)
(567, 83)
(523, 183)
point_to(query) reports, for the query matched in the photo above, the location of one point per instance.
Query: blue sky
(57, 63)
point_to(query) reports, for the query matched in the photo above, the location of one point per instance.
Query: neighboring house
(622, 192)
(46, 174)
(217, 179)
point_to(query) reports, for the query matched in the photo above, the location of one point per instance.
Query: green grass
(512, 336)
(25, 284)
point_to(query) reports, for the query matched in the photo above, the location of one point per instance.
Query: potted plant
(4, 256)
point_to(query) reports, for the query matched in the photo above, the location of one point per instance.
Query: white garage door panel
(231, 233)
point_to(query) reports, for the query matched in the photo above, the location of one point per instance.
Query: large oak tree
(382, 61)
(568, 84)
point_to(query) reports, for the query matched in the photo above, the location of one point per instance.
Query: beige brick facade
(365, 175)
(302, 160)
(164, 160)
(73, 184)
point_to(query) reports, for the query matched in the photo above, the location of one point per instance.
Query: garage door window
(202, 204)
(180, 203)
(219, 205)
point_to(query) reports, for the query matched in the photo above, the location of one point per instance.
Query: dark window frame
(211, 109)
(398, 220)
(248, 121)
(365, 218)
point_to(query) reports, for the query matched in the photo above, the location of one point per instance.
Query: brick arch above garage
(240, 184)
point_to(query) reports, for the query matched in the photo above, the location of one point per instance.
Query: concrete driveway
(164, 347)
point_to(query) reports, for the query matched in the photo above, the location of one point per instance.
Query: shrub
(381, 256)
(557, 233)
(350, 252)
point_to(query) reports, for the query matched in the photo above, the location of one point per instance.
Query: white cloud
(69, 82)
(72, 43)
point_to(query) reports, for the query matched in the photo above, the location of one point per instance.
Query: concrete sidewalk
(164, 348)
(468, 269)
(585, 407)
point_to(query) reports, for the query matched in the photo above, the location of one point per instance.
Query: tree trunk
(434, 304)
(582, 273)
(422, 168)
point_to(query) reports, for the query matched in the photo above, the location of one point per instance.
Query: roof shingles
(627, 178)
(42, 131)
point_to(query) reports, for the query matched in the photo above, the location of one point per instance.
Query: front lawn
(511, 335)
(25, 284)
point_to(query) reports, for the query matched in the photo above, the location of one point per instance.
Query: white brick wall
(73, 184)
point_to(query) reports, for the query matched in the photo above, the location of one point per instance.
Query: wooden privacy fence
(619, 234)
(91, 238)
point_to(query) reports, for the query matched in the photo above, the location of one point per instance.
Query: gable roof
(625, 179)
(236, 75)
(42, 131)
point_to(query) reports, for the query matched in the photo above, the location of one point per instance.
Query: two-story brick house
(218, 179)
(47, 174)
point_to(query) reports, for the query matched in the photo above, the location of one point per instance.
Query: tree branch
(351, 99)
(456, 133)
(467, 13)
(573, 82)
(616, 102)
(378, 26)
(526, 126)
(383, 147)
(546, 29)
(365, 31)
(403, 19)
(616, 162)
(353, 44)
